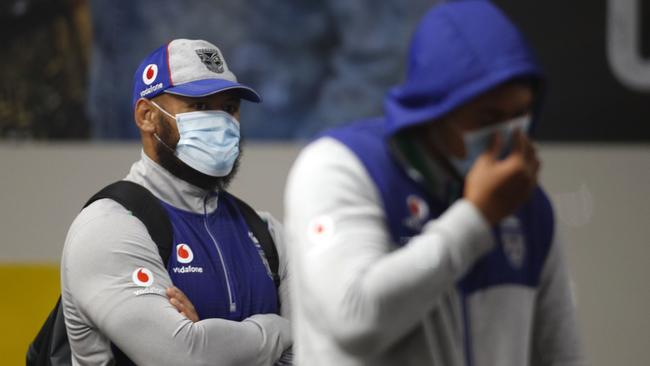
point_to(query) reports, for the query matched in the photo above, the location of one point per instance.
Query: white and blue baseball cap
(191, 68)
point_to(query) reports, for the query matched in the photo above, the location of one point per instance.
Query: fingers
(497, 187)
(523, 151)
(519, 143)
(175, 293)
(182, 304)
(176, 298)
(495, 146)
(177, 304)
(529, 161)
(530, 157)
(170, 291)
(522, 163)
(528, 148)
(492, 153)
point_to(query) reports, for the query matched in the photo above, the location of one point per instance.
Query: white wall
(601, 194)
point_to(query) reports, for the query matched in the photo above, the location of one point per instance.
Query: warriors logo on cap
(211, 59)
(149, 74)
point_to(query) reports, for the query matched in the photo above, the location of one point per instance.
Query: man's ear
(145, 116)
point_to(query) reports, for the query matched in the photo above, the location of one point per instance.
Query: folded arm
(103, 289)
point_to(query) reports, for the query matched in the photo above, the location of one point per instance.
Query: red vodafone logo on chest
(184, 253)
(142, 277)
(149, 74)
(417, 207)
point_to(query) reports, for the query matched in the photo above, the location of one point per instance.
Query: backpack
(51, 347)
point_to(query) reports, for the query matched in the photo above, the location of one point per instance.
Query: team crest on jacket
(211, 59)
(142, 277)
(184, 253)
(513, 241)
(418, 212)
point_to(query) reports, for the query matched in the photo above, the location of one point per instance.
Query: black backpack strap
(261, 232)
(146, 207)
(51, 346)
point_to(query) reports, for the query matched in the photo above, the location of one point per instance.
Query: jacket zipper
(233, 305)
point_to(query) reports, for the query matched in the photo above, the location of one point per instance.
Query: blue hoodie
(461, 50)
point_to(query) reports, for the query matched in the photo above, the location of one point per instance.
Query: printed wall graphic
(335, 69)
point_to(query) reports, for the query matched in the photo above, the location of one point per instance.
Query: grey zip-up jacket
(102, 303)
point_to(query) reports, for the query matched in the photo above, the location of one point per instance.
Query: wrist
(485, 210)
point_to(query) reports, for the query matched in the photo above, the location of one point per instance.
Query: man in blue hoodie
(422, 238)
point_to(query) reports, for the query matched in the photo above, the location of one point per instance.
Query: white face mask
(209, 140)
(477, 142)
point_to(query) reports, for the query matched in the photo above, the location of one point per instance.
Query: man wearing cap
(114, 283)
(422, 237)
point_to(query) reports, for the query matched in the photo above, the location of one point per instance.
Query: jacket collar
(171, 189)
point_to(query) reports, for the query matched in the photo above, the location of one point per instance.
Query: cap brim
(205, 87)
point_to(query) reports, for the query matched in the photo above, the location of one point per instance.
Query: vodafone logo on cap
(184, 253)
(150, 73)
(142, 277)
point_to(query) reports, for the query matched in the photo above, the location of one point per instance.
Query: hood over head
(460, 50)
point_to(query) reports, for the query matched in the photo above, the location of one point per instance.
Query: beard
(179, 169)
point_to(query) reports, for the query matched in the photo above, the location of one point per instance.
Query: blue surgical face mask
(209, 140)
(477, 142)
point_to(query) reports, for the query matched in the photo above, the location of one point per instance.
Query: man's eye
(230, 108)
(200, 106)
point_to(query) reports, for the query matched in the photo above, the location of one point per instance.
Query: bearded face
(165, 149)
